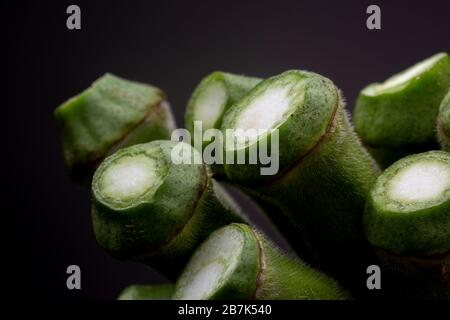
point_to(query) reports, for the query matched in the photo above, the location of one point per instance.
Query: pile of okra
(363, 200)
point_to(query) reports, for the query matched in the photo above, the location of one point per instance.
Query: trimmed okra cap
(225, 266)
(111, 114)
(402, 111)
(212, 97)
(142, 199)
(443, 123)
(298, 106)
(408, 210)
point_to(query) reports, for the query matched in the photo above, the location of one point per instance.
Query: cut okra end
(111, 114)
(236, 262)
(408, 210)
(141, 198)
(147, 292)
(443, 123)
(213, 96)
(297, 105)
(399, 81)
(401, 112)
(224, 267)
(127, 178)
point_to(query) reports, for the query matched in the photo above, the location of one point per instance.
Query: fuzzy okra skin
(147, 292)
(400, 113)
(407, 220)
(148, 208)
(317, 197)
(111, 114)
(443, 123)
(237, 262)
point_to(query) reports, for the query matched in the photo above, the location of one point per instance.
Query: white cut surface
(263, 113)
(420, 182)
(398, 80)
(211, 265)
(129, 177)
(210, 104)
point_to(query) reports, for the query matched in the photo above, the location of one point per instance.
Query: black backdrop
(171, 44)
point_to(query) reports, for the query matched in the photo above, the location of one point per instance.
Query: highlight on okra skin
(443, 123)
(236, 262)
(317, 197)
(111, 114)
(147, 292)
(147, 208)
(398, 116)
(407, 218)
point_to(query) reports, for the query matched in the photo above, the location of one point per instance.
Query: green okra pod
(237, 262)
(111, 114)
(443, 123)
(407, 218)
(324, 172)
(147, 292)
(148, 208)
(399, 115)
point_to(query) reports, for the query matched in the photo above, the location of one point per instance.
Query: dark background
(171, 44)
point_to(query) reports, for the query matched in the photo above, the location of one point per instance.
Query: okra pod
(400, 113)
(407, 218)
(149, 208)
(111, 114)
(237, 262)
(324, 172)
